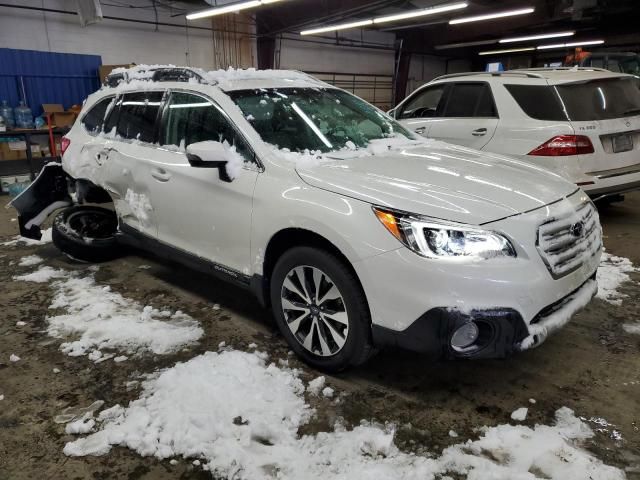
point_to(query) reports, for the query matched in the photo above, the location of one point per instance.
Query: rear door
(608, 112)
(129, 155)
(469, 116)
(422, 108)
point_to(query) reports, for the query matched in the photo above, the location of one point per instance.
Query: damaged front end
(47, 193)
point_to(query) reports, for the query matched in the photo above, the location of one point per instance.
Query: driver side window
(427, 103)
(191, 118)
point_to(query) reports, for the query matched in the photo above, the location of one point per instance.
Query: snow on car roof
(227, 80)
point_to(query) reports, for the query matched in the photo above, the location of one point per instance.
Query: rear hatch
(607, 110)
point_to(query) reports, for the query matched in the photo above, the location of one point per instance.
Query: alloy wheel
(314, 310)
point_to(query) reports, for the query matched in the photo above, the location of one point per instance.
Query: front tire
(321, 310)
(86, 233)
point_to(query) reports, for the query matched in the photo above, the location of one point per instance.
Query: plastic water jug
(23, 116)
(6, 112)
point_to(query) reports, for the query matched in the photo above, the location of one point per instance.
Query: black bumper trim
(503, 330)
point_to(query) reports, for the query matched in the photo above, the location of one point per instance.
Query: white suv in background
(583, 124)
(357, 233)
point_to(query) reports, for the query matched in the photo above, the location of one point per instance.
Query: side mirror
(209, 154)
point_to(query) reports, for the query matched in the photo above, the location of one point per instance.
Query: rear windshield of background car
(580, 102)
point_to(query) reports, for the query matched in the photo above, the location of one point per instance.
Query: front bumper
(501, 331)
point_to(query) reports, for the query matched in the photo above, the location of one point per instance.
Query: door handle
(480, 132)
(420, 130)
(160, 174)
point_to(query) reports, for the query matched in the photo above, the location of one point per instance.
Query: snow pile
(30, 260)
(240, 417)
(46, 238)
(100, 318)
(613, 272)
(43, 275)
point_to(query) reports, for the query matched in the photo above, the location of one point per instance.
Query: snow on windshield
(322, 119)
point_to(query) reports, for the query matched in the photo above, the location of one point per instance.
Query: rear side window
(137, 117)
(426, 103)
(191, 118)
(601, 99)
(470, 100)
(94, 118)
(538, 101)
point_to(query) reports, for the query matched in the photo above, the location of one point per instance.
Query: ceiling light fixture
(537, 37)
(491, 16)
(341, 26)
(573, 44)
(388, 18)
(509, 50)
(234, 7)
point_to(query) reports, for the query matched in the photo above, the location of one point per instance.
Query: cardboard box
(59, 118)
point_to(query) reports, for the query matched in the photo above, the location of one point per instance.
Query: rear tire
(86, 233)
(325, 318)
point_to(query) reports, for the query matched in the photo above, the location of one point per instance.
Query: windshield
(314, 118)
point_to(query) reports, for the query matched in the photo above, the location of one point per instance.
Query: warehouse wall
(425, 68)
(329, 57)
(117, 42)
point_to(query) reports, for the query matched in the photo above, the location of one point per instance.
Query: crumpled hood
(439, 180)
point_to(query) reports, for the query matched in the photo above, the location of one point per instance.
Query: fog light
(464, 336)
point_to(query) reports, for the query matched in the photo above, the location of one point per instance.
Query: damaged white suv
(356, 232)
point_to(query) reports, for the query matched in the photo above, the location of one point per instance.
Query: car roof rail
(492, 74)
(551, 69)
(159, 74)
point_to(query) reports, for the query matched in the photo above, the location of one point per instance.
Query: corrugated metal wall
(44, 77)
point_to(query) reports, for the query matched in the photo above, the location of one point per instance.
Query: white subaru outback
(583, 124)
(356, 233)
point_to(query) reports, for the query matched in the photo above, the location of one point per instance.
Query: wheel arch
(286, 239)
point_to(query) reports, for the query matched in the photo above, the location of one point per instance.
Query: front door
(195, 210)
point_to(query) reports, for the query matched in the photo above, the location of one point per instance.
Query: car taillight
(64, 144)
(564, 145)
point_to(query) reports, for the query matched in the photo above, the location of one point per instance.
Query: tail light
(564, 145)
(64, 144)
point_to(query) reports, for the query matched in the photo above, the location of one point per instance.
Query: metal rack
(31, 165)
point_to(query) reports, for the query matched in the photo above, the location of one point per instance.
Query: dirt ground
(591, 366)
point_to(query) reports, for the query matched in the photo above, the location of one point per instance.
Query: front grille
(568, 240)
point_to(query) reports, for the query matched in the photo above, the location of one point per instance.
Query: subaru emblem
(576, 229)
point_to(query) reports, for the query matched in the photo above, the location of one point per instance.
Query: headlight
(440, 239)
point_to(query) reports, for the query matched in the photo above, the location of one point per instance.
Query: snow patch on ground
(239, 416)
(30, 260)
(101, 319)
(316, 385)
(613, 272)
(520, 414)
(46, 238)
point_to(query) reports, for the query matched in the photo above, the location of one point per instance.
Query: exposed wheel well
(89, 192)
(295, 237)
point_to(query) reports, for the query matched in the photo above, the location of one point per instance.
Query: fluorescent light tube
(421, 13)
(537, 37)
(491, 16)
(573, 44)
(509, 50)
(388, 18)
(341, 26)
(235, 7)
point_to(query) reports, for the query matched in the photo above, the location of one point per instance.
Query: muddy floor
(591, 366)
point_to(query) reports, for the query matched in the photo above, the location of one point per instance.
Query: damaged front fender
(48, 192)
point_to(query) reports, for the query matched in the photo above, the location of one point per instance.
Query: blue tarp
(45, 77)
